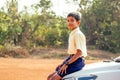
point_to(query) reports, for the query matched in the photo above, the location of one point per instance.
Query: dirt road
(27, 69)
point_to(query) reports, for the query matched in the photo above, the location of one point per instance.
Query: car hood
(96, 67)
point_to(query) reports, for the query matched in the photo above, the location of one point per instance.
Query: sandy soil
(27, 69)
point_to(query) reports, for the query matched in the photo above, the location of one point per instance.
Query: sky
(60, 7)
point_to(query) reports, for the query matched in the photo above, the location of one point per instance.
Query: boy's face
(72, 23)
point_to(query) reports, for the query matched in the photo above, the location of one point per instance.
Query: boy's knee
(48, 78)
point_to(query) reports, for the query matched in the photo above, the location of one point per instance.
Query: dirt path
(27, 69)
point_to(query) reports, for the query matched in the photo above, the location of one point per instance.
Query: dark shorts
(73, 67)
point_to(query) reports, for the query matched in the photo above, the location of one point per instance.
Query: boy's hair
(75, 15)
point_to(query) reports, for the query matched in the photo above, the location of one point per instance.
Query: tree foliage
(101, 21)
(42, 28)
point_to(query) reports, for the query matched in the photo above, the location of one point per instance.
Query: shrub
(16, 52)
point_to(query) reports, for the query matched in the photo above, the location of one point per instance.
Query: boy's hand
(63, 69)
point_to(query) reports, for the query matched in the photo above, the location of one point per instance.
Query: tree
(101, 22)
(47, 26)
(42, 28)
(10, 23)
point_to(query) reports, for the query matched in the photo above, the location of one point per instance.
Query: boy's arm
(75, 57)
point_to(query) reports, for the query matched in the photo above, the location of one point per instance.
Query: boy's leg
(49, 76)
(56, 77)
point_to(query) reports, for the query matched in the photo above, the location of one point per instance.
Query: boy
(76, 49)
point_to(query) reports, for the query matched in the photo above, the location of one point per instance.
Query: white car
(106, 70)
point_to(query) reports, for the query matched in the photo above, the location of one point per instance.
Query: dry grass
(16, 52)
(58, 53)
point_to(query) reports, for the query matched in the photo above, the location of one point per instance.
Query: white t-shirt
(76, 41)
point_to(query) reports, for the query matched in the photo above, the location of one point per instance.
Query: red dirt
(27, 69)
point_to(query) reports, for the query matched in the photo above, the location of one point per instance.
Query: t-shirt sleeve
(80, 42)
